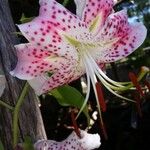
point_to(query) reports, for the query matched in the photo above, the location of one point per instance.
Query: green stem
(16, 113)
(65, 2)
(17, 33)
(143, 72)
(6, 105)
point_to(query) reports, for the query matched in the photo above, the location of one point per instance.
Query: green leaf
(25, 20)
(69, 96)
(28, 145)
(1, 145)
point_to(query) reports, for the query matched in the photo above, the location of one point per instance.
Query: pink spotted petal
(127, 44)
(73, 142)
(44, 83)
(115, 26)
(58, 15)
(119, 38)
(33, 61)
(65, 74)
(41, 32)
(97, 7)
(48, 29)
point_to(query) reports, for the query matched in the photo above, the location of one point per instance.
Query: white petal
(80, 5)
(87, 142)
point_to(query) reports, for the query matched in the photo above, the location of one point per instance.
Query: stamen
(76, 129)
(90, 71)
(104, 75)
(100, 96)
(134, 80)
(102, 126)
(87, 93)
(138, 103)
(105, 83)
(113, 92)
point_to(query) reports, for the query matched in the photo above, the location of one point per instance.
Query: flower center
(93, 71)
(76, 43)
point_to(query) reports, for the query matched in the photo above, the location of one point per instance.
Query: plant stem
(16, 113)
(65, 2)
(76, 129)
(6, 105)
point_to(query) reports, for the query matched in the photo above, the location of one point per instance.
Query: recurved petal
(124, 46)
(58, 15)
(34, 61)
(48, 28)
(115, 26)
(129, 43)
(102, 8)
(41, 32)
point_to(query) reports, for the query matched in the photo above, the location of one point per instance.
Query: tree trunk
(30, 120)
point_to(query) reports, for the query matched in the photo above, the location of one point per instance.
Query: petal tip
(12, 73)
(141, 32)
(90, 141)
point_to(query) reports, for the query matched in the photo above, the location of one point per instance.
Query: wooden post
(30, 120)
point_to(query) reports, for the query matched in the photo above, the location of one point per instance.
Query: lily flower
(73, 142)
(63, 46)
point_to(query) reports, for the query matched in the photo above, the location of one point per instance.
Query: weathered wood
(30, 121)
